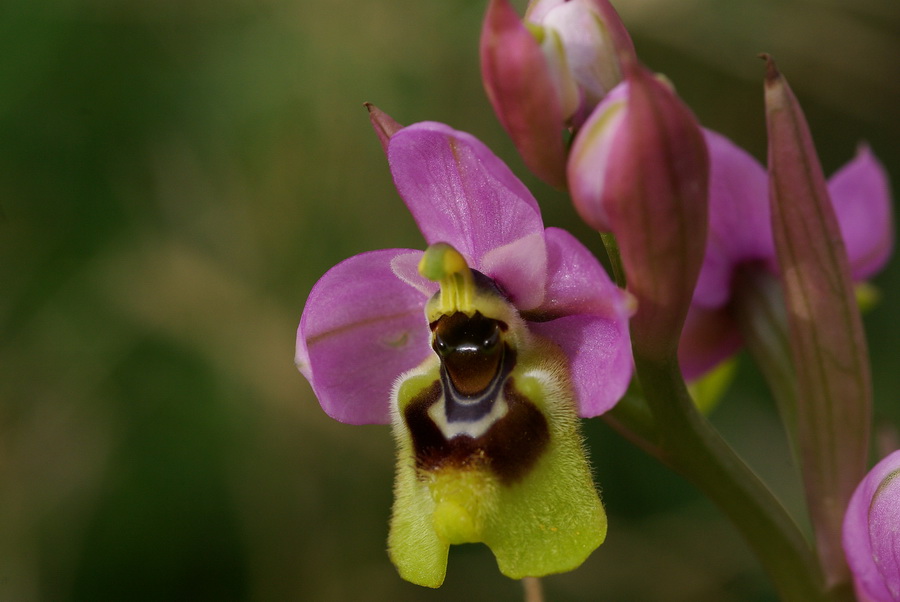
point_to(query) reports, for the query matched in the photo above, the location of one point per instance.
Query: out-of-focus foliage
(174, 177)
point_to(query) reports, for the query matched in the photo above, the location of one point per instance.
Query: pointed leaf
(826, 336)
(384, 125)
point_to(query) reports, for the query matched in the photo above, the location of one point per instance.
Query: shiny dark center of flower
(471, 350)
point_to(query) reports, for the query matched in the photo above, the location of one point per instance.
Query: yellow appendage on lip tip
(445, 265)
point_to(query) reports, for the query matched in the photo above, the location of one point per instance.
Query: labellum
(489, 448)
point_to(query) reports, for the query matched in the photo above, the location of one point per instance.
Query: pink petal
(588, 318)
(406, 268)
(884, 531)
(592, 152)
(590, 50)
(740, 228)
(599, 356)
(361, 328)
(871, 532)
(620, 39)
(577, 283)
(519, 85)
(709, 337)
(862, 201)
(459, 192)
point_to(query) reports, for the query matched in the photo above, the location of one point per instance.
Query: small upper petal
(861, 198)
(740, 228)
(406, 267)
(520, 269)
(361, 328)
(884, 531)
(460, 192)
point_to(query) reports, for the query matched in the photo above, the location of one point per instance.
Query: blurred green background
(174, 177)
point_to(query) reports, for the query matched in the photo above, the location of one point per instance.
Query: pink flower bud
(547, 74)
(592, 36)
(639, 168)
(871, 534)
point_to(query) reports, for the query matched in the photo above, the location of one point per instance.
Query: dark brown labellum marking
(509, 448)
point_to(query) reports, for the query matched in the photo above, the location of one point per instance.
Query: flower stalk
(534, 590)
(690, 446)
(760, 314)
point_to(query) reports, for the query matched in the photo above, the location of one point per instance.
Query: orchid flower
(740, 237)
(871, 533)
(481, 351)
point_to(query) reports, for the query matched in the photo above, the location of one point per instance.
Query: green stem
(615, 258)
(633, 420)
(680, 436)
(692, 447)
(762, 318)
(761, 314)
